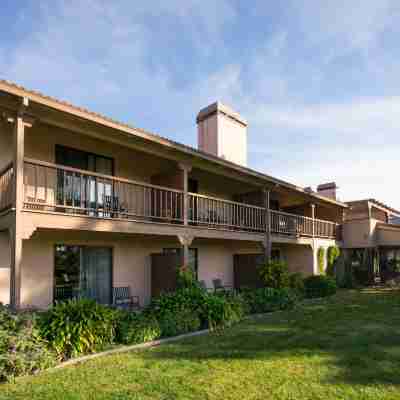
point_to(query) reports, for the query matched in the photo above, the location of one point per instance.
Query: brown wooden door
(163, 272)
(245, 270)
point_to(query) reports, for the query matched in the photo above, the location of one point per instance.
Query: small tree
(186, 277)
(333, 255)
(275, 274)
(321, 260)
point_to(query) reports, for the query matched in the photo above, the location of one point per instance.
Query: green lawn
(346, 347)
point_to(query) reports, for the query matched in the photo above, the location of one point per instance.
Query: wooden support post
(16, 232)
(268, 240)
(186, 170)
(185, 240)
(313, 219)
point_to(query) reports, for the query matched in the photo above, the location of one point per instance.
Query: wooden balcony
(69, 191)
(6, 185)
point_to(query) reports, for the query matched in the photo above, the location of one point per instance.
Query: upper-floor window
(79, 159)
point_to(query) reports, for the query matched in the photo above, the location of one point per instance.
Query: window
(81, 271)
(193, 257)
(275, 254)
(79, 191)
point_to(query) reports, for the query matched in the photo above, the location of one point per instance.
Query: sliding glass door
(83, 272)
(86, 192)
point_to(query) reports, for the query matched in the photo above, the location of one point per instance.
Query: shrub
(222, 311)
(332, 256)
(180, 322)
(191, 298)
(186, 277)
(22, 351)
(191, 308)
(77, 327)
(321, 260)
(319, 286)
(275, 274)
(269, 299)
(296, 282)
(136, 328)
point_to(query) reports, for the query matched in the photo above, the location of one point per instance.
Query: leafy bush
(180, 322)
(191, 298)
(319, 286)
(275, 274)
(77, 327)
(321, 260)
(186, 277)
(223, 311)
(269, 299)
(332, 256)
(136, 328)
(22, 351)
(296, 282)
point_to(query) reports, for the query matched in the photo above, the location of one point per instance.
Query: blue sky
(318, 81)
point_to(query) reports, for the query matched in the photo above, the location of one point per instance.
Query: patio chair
(220, 287)
(123, 298)
(203, 285)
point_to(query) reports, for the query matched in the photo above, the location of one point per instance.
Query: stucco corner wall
(300, 258)
(5, 263)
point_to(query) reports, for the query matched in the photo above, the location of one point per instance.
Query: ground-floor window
(276, 254)
(83, 271)
(193, 257)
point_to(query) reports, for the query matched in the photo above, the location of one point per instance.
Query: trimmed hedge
(319, 286)
(269, 299)
(136, 328)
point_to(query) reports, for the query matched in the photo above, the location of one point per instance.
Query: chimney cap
(327, 186)
(219, 108)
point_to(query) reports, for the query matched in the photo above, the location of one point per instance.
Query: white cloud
(118, 58)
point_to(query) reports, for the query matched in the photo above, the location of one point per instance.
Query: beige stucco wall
(131, 261)
(41, 139)
(388, 235)
(359, 233)
(5, 261)
(300, 258)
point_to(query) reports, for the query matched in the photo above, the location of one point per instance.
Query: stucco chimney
(223, 133)
(328, 190)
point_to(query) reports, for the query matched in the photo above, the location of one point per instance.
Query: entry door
(163, 272)
(96, 274)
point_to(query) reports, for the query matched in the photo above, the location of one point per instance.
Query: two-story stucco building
(88, 203)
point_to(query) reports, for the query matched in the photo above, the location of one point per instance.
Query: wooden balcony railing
(6, 187)
(290, 224)
(55, 188)
(212, 212)
(50, 187)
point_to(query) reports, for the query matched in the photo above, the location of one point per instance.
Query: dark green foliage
(186, 277)
(275, 274)
(321, 260)
(296, 282)
(182, 321)
(223, 311)
(319, 286)
(22, 351)
(134, 328)
(77, 327)
(195, 305)
(332, 257)
(269, 299)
